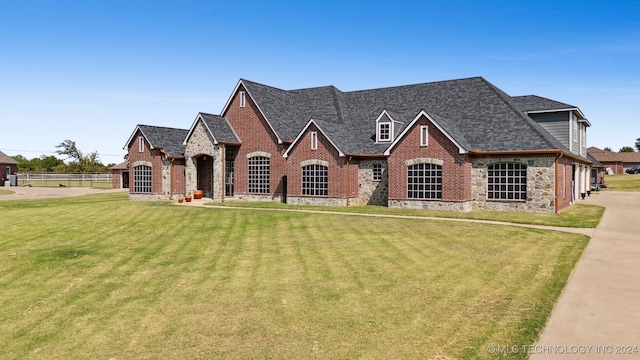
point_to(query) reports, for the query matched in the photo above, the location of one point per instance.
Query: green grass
(581, 216)
(6, 192)
(622, 182)
(100, 277)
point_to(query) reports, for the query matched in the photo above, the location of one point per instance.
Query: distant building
(8, 166)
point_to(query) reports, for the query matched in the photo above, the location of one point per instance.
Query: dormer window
(385, 127)
(384, 131)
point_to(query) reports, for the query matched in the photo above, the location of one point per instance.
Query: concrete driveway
(48, 192)
(598, 313)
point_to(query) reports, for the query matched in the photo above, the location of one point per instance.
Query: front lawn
(580, 216)
(100, 277)
(6, 192)
(622, 182)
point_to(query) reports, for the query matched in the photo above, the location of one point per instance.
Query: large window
(424, 181)
(507, 181)
(259, 175)
(315, 180)
(142, 179)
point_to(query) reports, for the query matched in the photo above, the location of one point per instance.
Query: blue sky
(91, 70)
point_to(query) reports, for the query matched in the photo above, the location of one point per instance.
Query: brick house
(8, 166)
(618, 162)
(453, 145)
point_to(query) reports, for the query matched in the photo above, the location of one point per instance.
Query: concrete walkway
(598, 313)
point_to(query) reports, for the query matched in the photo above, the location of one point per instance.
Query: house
(8, 166)
(618, 162)
(452, 145)
(120, 176)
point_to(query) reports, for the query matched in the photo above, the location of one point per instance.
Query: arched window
(259, 175)
(507, 181)
(315, 180)
(142, 179)
(424, 181)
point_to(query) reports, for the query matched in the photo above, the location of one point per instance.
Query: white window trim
(314, 140)
(379, 134)
(424, 135)
(243, 99)
(140, 144)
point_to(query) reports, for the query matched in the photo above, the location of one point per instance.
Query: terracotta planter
(180, 199)
(188, 198)
(197, 194)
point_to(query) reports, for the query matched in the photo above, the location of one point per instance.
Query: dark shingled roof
(219, 128)
(7, 160)
(169, 139)
(536, 103)
(475, 113)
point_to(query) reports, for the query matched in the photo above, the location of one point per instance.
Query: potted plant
(197, 194)
(180, 199)
(188, 198)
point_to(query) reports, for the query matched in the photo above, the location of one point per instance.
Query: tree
(608, 149)
(638, 144)
(626, 149)
(81, 162)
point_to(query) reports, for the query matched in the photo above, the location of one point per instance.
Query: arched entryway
(204, 167)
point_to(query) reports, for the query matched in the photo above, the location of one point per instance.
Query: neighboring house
(452, 145)
(120, 176)
(8, 166)
(618, 162)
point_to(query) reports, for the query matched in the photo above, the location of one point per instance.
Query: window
(140, 144)
(243, 99)
(142, 179)
(315, 180)
(424, 181)
(384, 131)
(424, 135)
(314, 140)
(377, 172)
(507, 181)
(259, 175)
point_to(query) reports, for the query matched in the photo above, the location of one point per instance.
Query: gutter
(555, 152)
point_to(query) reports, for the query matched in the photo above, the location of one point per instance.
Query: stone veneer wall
(372, 192)
(201, 143)
(540, 184)
(320, 201)
(458, 206)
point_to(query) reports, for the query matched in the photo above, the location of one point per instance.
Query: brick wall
(564, 171)
(342, 172)
(154, 158)
(456, 169)
(256, 136)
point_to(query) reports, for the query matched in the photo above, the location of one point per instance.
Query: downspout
(171, 158)
(348, 177)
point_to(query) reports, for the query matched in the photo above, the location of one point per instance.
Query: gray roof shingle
(473, 111)
(219, 128)
(169, 139)
(7, 160)
(531, 103)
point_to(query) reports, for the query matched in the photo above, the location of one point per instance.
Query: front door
(205, 175)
